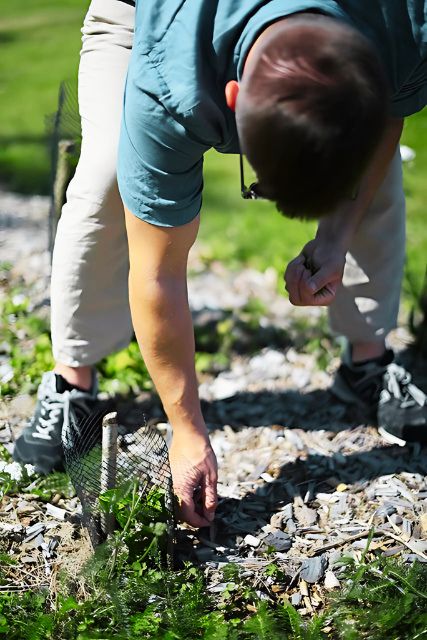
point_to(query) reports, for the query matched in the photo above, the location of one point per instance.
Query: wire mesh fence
(64, 135)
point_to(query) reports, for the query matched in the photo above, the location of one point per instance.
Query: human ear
(231, 93)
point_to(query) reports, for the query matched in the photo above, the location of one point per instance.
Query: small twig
(406, 544)
(13, 588)
(53, 590)
(21, 569)
(340, 543)
(365, 534)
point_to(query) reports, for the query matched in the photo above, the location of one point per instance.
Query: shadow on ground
(315, 473)
(312, 411)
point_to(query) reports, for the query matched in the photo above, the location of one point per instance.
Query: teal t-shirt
(184, 53)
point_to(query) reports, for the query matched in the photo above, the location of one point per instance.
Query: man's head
(310, 110)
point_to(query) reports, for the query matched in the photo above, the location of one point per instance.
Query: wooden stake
(108, 465)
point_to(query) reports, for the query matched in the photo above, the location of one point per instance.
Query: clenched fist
(313, 277)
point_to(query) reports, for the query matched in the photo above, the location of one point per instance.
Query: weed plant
(25, 349)
(383, 600)
(16, 478)
(143, 523)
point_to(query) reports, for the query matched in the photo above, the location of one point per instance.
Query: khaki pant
(90, 312)
(367, 305)
(89, 292)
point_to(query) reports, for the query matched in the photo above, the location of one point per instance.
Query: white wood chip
(251, 541)
(56, 512)
(331, 581)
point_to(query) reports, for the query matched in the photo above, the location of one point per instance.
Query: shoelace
(49, 415)
(400, 387)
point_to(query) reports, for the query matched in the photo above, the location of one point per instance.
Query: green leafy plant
(25, 342)
(143, 520)
(45, 487)
(23, 616)
(124, 372)
(15, 478)
(263, 625)
(297, 627)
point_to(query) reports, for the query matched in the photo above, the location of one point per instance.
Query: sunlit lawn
(39, 45)
(40, 40)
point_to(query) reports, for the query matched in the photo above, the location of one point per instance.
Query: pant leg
(90, 314)
(367, 304)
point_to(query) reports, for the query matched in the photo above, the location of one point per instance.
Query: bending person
(315, 124)
(318, 109)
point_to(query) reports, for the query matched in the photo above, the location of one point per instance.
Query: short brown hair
(310, 114)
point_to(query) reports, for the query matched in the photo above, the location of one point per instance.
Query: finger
(293, 287)
(186, 512)
(322, 298)
(307, 298)
(289, 275)
(209, 497)
(302, 299)
(327, 295)
(191, 508)
(323, 278)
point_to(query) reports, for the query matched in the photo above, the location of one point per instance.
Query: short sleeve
(404, 105)
(160, 167)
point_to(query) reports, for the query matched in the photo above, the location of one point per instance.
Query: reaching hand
(194, 469)
(313, 277)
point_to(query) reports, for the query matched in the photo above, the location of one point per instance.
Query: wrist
(337, 230)
(190, 430)
(186, 442)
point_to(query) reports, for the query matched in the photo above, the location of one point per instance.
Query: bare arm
(163, 326)
(313, 277)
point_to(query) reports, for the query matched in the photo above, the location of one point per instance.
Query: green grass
(245, 231)
(415, 181)
(40, 41)
(125, 593)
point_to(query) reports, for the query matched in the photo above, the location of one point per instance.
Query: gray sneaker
(386, 395)
(40, 442)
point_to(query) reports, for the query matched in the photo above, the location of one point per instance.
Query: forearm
(162, 321)
(340, 226)
(163, 326)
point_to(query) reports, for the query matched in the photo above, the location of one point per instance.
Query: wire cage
(99, 458)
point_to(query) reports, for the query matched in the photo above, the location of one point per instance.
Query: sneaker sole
(391, 438)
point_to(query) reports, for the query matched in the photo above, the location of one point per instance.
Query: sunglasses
(252, 193)
(248, 193)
